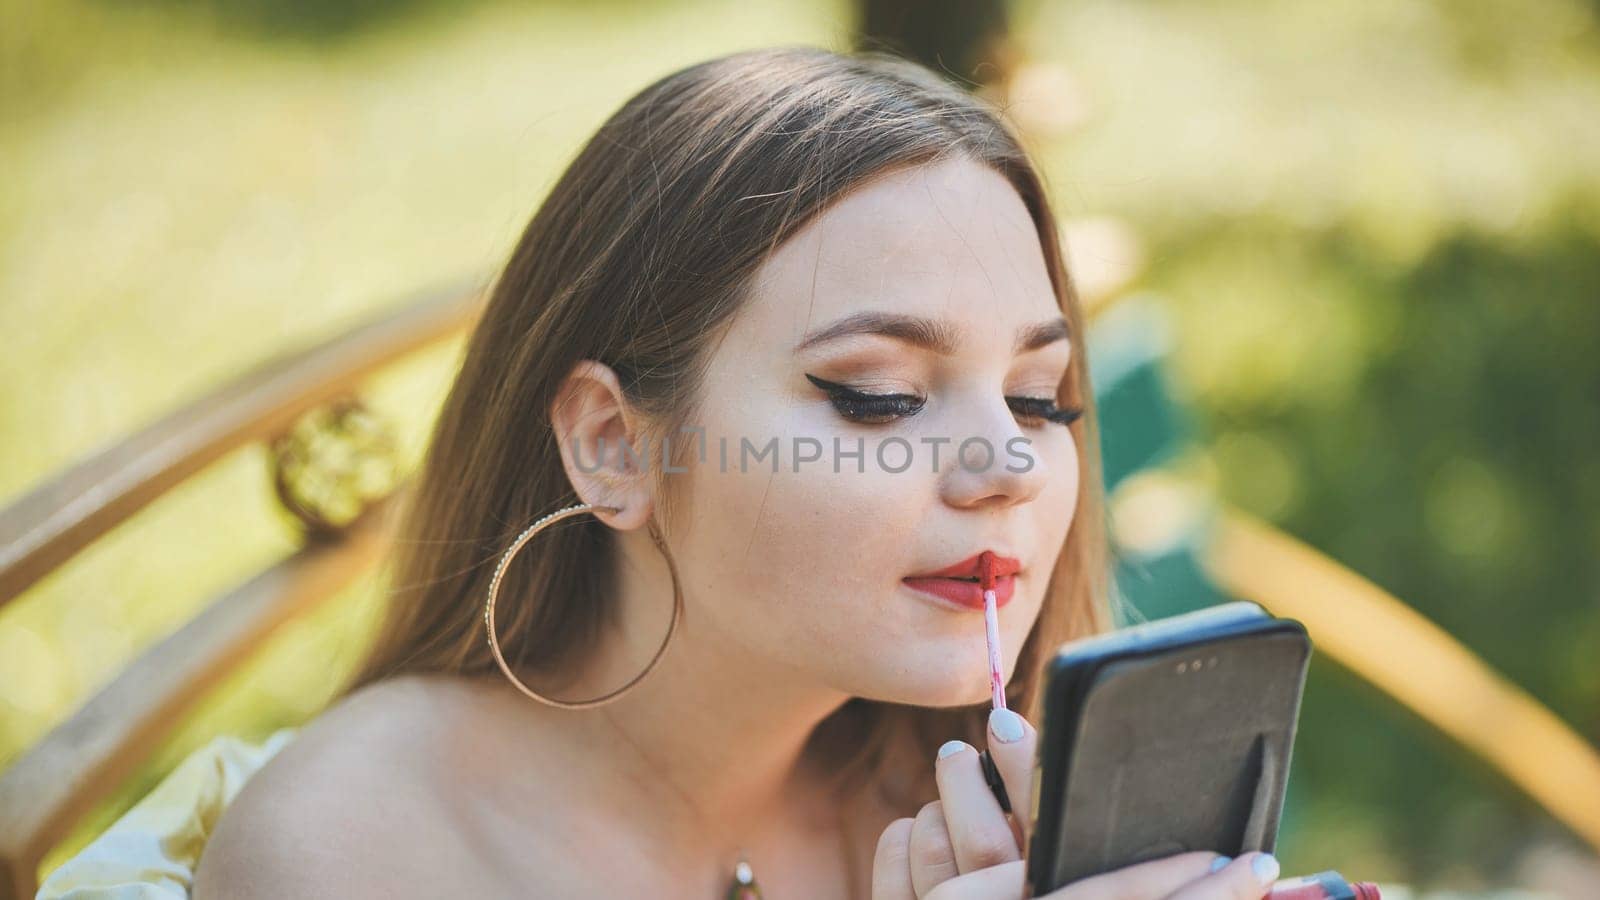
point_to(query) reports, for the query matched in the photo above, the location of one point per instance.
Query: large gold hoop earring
(494, 591)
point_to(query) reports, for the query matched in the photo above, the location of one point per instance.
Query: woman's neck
(721, 743)
(714, 741)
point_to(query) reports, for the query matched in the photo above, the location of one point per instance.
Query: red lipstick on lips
(960, 583)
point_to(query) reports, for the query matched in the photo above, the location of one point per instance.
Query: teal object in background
(1143, 425)
(1165, 585)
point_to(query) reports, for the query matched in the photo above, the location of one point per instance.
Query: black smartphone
(1165, 737)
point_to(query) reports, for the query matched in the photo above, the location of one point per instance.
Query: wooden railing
(80, 762)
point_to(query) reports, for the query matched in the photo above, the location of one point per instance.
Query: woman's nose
(995, 463)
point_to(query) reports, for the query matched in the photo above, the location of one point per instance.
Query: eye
(1044, 408)
(872, 409)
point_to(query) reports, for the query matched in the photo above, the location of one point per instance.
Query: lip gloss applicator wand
(991, 627)
(997, 682)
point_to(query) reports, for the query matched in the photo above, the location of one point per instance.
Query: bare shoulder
(335, 812)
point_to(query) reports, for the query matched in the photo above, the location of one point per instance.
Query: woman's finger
(1013, 743)
(979, 833)
(1004, 880)
(1156, 878)
(932, 858)
(891, 865)
(1246, 878)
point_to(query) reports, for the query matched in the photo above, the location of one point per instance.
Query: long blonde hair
(645, 247)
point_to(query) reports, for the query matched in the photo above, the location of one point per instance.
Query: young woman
(793, 329)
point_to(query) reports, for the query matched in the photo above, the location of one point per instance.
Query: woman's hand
(963, 844)
(964, 847)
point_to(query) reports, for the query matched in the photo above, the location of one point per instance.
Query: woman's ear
(603, 448)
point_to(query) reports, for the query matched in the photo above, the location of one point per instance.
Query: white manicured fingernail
(1006, 725)
(1266, 868)
(949, 747)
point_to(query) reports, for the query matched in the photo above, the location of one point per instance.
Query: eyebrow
(930, 334)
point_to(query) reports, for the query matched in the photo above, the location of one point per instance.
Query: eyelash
(877, 409)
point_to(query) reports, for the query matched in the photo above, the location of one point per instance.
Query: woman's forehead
(952, 241)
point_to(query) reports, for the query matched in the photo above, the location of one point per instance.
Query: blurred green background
(1373, 225)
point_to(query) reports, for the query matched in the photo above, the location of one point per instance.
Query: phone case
(1205, 769)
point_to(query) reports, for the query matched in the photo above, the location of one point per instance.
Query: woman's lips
(965, 593)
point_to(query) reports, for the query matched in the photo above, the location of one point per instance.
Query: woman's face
(804, 565)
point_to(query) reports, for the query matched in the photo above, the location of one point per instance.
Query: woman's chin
(940, 690)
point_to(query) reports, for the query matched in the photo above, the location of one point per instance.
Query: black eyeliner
(850, 392)
(860, 406)
(1046, 409)
(868, 409)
